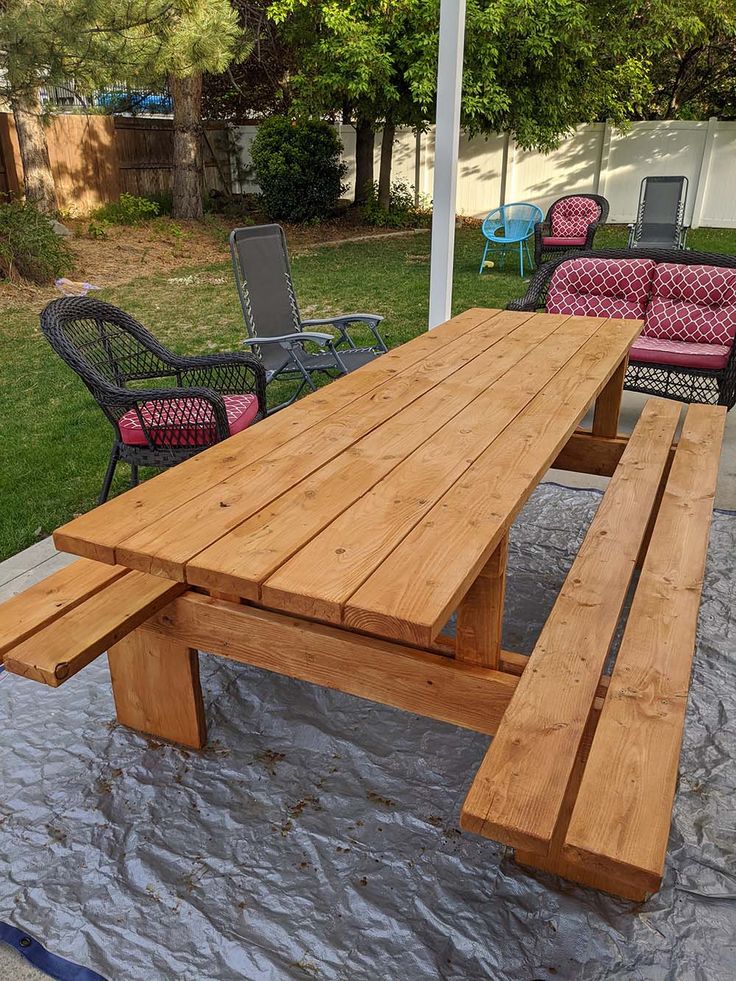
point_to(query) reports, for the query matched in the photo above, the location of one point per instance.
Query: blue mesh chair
(510, 227)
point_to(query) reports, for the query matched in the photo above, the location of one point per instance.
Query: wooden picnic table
(333, 541)
(377, 503)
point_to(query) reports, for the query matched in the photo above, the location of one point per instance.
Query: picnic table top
(375, 502)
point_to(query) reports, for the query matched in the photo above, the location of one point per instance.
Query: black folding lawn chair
(660, 217)
(275, 328)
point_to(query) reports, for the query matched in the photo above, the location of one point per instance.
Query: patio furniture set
(333, 541)
(573, 220)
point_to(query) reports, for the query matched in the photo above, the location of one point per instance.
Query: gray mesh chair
(276, 331)
(660, 217)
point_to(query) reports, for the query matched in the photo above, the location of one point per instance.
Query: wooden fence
(95, 158)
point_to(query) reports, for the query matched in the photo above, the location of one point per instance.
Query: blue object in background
(509, 227)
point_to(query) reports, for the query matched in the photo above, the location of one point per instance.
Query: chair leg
(133, 475)
(521, 259)
(483, 260)
(109, 474)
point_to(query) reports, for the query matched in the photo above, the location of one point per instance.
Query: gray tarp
(316, 836)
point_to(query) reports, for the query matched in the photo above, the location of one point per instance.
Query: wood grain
(97, 533)
(166, 547)
(608, 404)
(57, 651)
(416, 681)
(518, 792)
(321, 578)
(155, 683)
(407, 598)
(46, 601)
(622, 814)
(480, 615)
(252, 551)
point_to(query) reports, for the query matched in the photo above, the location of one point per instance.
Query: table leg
(480, 615)
(155, 683)
(608, 403)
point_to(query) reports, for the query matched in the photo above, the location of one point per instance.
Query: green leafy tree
(534, 68)
(95, 42)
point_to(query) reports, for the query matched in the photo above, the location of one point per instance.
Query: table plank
(97, 533)
(166, 547)
(408, 597)
(623, 809)
(247, 556)
(325, 573)
(518, 792)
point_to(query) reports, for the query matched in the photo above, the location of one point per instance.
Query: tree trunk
(186, 94)
(38, 181)
(384, 175)
(364, 139)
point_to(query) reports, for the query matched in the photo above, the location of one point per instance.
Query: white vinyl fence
(597, 158)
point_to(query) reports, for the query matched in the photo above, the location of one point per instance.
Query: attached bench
(585, 791)
(57, 627)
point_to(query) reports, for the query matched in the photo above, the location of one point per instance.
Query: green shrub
(298, 168)
(402, 212)
(29, 247)
(127, 210)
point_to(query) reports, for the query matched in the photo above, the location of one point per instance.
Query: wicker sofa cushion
(185, 422)
(692, 303)
(601, 288)
(572, 216)
(659, 350)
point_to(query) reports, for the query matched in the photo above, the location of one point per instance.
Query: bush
(402, 212)
(29, 247)
(127, 210)
(298, 168)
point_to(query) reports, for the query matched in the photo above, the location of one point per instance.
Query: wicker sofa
(687, 301)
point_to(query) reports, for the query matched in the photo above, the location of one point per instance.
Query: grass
(55, 441)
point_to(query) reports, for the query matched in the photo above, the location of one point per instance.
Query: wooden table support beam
(416, 681)
(608, 404)
(480, 616)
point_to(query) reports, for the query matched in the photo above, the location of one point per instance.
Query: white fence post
(602, 177)
(444, 195)
(701, 184)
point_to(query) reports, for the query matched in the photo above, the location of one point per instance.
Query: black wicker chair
(685, 384)
(199, 401)
(548, 245)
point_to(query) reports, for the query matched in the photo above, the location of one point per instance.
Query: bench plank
(69, 643)
(97, 533)
(54, 596)
(622, 813)
(518, 792)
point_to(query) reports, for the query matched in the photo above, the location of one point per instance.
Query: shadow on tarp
(316, 836)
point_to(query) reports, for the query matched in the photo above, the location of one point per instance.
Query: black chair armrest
(228, 374)
(342, 323)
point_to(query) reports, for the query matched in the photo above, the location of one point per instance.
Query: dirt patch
(164, 245)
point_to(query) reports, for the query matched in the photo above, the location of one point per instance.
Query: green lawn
(54, 441)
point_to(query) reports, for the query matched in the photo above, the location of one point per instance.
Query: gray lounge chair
(275, 328)
(660, 217)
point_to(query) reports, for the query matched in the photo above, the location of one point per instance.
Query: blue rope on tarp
(36, 954)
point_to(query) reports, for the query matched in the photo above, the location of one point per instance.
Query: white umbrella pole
(447, 141)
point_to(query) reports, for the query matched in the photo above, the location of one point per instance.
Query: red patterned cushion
(601, 288)
(659, 350)
(196, 425)
(692, 303)
(572, 216)
(552, 240)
